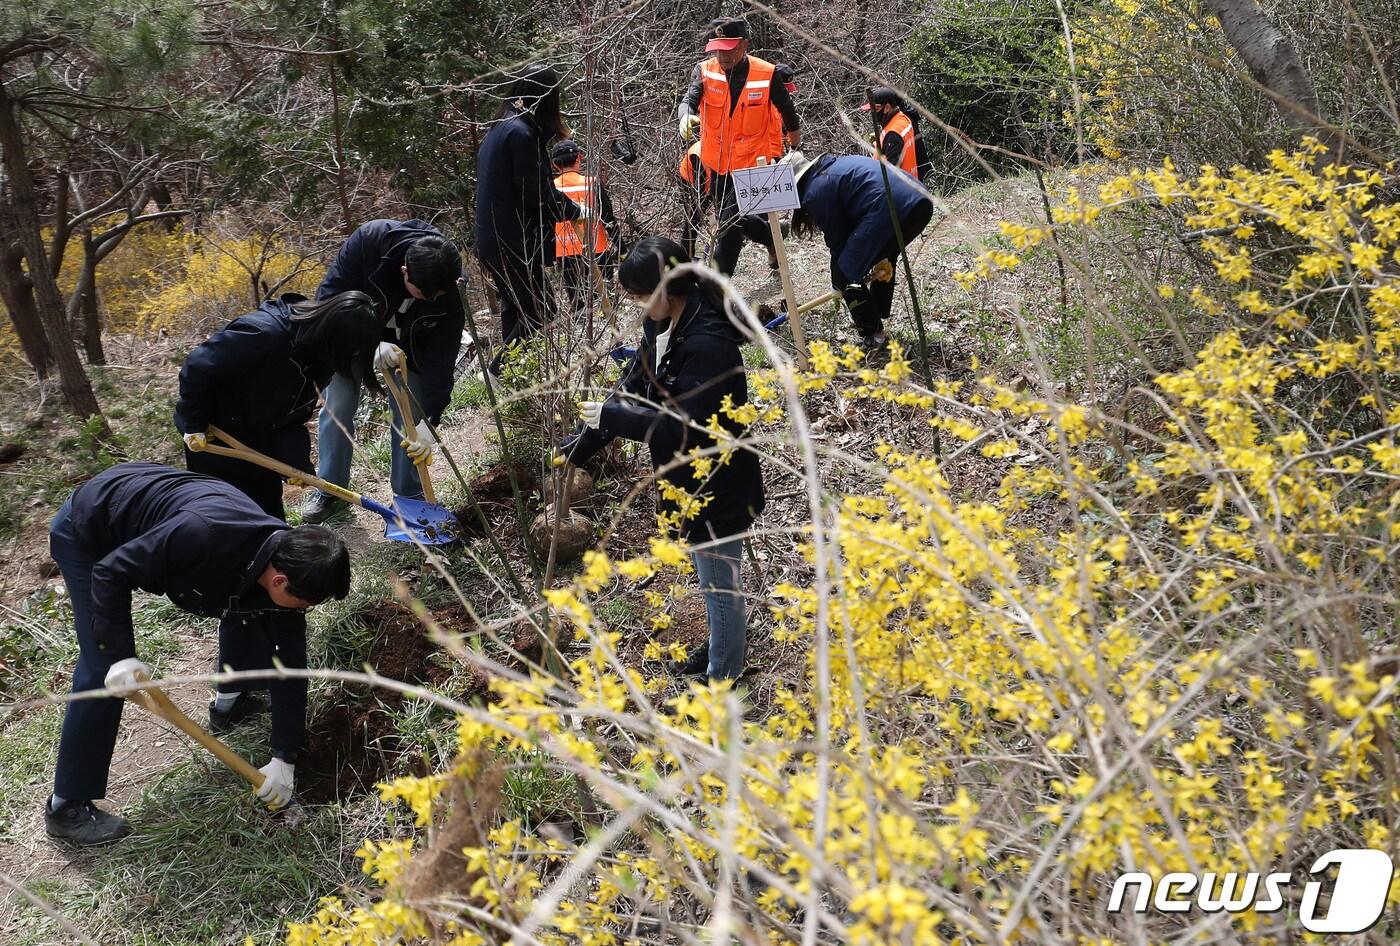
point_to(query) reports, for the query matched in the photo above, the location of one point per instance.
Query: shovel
(400, 396)
(157, 703)
(410, 520)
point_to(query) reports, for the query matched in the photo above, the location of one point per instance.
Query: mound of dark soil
(350, 746)
(401, 650)
(493, 486)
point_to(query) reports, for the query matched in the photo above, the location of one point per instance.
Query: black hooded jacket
(430, 332)
(249, 379)
(657, 405)
(200, 542)
(517, 204)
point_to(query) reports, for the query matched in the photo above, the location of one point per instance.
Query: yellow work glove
(420, 447)
(688, 126)
(882, 271)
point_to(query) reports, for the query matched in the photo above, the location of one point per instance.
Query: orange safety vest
(738, 140)
(687, 170)
(579, 188)
(902, 126)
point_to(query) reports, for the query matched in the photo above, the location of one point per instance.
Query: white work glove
(591, 413)
(387, 356)
(280, 778)
(420, 448)
(196, 442)
(688, 126)
(128, 672)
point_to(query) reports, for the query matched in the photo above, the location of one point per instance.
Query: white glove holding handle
(279, 778)
(128, 672)
(387, 356)
(196, 442)
(420, 447)
(591, 413)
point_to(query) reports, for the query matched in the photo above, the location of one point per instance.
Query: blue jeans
(717, 568)
(89, 726)
(334, 447)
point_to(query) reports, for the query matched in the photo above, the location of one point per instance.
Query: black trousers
(525, 299)
(733, 227)
(870, 306)
(255, 641)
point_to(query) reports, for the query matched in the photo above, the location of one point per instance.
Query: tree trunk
(73, 380)
(86, 292)
(1274, 63)
(18, 295)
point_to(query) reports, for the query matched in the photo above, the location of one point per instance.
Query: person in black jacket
(409, 271)
(517, 204)
(212, 551)
(847, 197)
(687, 363)
(259, 378)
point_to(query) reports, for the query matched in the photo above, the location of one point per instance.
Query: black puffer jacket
(248, 380)
(430, 332)
(702, 365)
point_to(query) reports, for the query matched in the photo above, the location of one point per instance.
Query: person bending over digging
(410, 272)
(687, 363)
(208, 548)
(259, 380)
(844, 196)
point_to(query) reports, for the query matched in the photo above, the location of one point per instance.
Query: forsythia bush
(1157, 646)
(157, 279)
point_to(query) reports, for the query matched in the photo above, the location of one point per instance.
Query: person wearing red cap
(742, 107)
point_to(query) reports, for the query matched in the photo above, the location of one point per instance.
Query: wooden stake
(794, 313)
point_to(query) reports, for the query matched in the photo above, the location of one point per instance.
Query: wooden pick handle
(155, 701)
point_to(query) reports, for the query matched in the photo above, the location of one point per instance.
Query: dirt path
(146, 747)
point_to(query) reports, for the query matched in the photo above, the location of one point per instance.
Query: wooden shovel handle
(156, 702)
(239, 451)
(400, 395)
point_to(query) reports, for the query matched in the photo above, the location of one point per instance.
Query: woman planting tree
(259, 379)
(687, 364)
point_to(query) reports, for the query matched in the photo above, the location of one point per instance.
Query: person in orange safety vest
(896, 139)
(742, 108)
(574, 242)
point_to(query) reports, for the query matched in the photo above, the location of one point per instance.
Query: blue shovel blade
(414, 520)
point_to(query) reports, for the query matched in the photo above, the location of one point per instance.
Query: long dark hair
(649, 263)
(337, 334)
(535, 92)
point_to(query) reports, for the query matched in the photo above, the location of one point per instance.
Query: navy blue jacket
(701, 367)
(247, 380)
(430, 332)
(517, 203)
(845, 196)
(195, 539)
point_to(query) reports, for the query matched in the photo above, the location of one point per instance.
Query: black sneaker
(245, 706)
(693, 666)
(318, 507)
(83, 823)
(874, 344)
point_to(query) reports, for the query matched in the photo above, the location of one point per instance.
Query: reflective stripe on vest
(578, 188)
(902, 126)
(730, 140)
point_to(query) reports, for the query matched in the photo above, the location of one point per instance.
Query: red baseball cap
(726, 34)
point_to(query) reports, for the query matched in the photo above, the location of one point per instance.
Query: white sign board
(765, 188)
